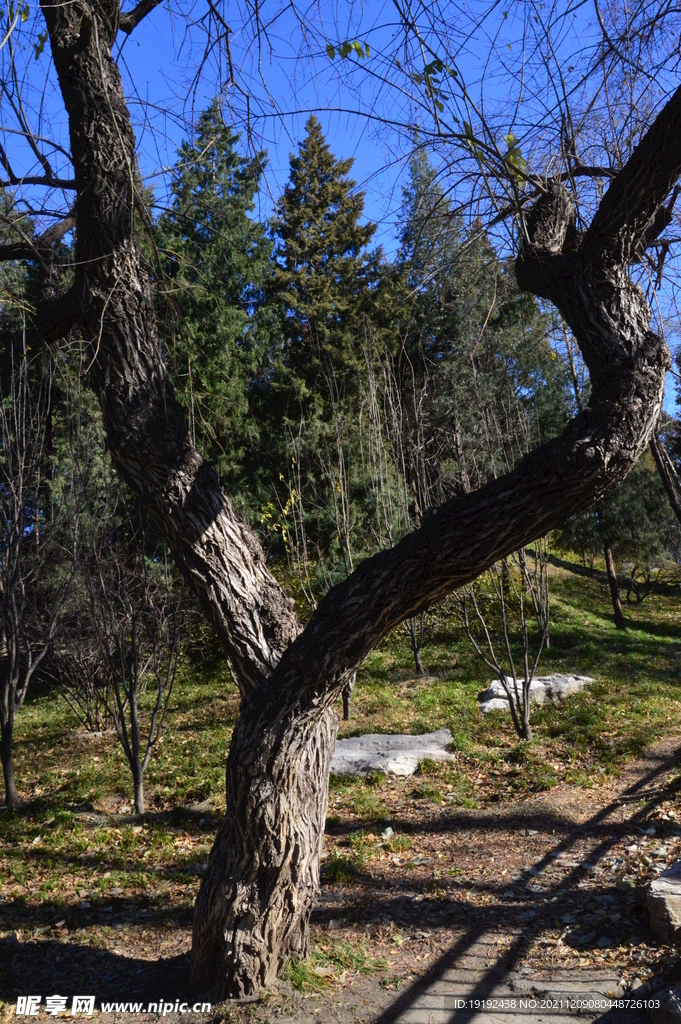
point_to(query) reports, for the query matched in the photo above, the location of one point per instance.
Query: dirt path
(541, 901)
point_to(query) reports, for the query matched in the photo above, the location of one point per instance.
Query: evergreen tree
(323, 277)
(216, 260)
(323, 296)
(475, 344)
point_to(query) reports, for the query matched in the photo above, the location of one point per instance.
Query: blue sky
(150, 60)
(158, 62)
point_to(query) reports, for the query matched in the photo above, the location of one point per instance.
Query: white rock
(664, 903)
(542, 690)
(395, 755)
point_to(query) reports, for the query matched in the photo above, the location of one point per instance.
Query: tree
(632, 524)
(496, 618)
(666, 450)
(477, 352)
(323, 293)
(215, 261)
(323, 276)
(136, 619)
(253, 907)
(35, 570)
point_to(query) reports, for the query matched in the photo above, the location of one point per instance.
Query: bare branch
(128, 22)
(636, 194)
(672, 484)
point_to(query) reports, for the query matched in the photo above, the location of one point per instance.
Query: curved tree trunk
(149, 442)
(608, 314)
(253, 907)
(112, 296)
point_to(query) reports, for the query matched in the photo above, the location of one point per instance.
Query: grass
(328, 962)
(636, 698)
(53, 860)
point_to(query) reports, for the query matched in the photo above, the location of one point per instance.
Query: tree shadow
(70, 969)
(499, 974)
(51, 965)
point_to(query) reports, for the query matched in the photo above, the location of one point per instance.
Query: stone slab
(543, 689)
(394, 755)
(664, 903)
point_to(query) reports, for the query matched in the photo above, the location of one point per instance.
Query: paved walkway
(476, 987)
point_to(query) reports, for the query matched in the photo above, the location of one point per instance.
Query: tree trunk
(252, 912)
(454, 544)
(526, 727)
(253, 906)
(145, 425)
(139, 793)
(416, 635)
(11, 795)
(620, 621)
(668, 474)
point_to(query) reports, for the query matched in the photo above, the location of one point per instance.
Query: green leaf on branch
(40, 45)
(331, 50)
(348, 47)
(514, 157)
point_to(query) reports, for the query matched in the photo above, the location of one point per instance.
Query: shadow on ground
(50, 965)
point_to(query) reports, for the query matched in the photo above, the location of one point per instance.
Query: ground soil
(534, 898)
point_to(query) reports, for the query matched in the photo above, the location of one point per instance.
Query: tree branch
(636, 194)
(128, 22)
(58, 230)
(18, 251)
(29, 179)
(668, 474)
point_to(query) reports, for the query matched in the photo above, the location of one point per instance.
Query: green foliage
(322, 278)
(216, 260)
(479, 349)
(635, 521)
(338, 868)
(327, 962)
(325, 290)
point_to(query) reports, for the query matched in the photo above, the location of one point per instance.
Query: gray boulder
(395, 755)
(542, 690)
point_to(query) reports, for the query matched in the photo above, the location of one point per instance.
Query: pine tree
(217, 258)
(323, 277)
(474, 343)
(324, 293)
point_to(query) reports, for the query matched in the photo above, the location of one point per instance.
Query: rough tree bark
(253, 907)
(255, 897)
(11, 795)
(112, 303)
(112, 297)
